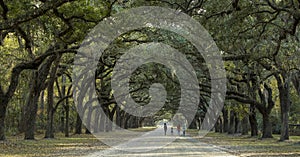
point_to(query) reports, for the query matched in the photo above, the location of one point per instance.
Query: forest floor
(60, 146)
(81, 145)
(252, 146)
(75, 145)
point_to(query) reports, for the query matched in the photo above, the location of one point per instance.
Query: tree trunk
(21, 127)
(89, 120)
(49, 130)
(225, 120)
(39, 78)
(217, 125)
(267, 126)
(245, 125)
(67, 111)
(132, 122)
(78, 126)
(102, 122)
(285, 109)
(141, 121)
(231, 123)
(129, 122)
(296, 82)
(221, 125)
(87, 131)
(30, 115)
(109, 124)
(50, 99)
(62, 122)
(253, 121)
(237, 122)
(284, 97)
(50, 111)
(123, 116)
(97, 119)
(135, 122)
(42, 109)
(118, 117)
(31, 109)
(199, 123)
(3, 107)
(193, 125)
(125, 121)
(110, 117)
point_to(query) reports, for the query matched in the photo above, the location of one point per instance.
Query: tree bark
(193, 125)
(5, 97)
(285, 109)
(49, 129)
(253, 121)
(245, 125)
(296, 82)
(221, 125)
(110, 117)
(125, 120)
(21, 127)
(89, 120)
(265, 110)
(141, 121)
(237, 122)
(225, 120)
(102, 122)
(284, 97)
(31, 111)
(217, 125)
(118, 117)
(267, 126)
(97, 120)
(50, 100)
(78, 126)
(87, 131)
(231, 123)
(3, 106)
(108, 124)
(122, 116)
(38, 85)
(129, 122)
(62, 121)
(67, 111)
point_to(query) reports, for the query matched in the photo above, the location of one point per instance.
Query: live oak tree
(264, 32)
(45, 28)
(259, 41)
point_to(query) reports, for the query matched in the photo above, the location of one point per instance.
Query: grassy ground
(252, 146)
(75, 145)
(79, 145)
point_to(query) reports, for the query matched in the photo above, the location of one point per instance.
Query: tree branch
(32, 14)
(34, 64)
(5, 9)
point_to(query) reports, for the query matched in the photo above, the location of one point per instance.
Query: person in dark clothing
(165, 128)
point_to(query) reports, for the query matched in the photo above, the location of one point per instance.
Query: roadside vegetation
(245, 145)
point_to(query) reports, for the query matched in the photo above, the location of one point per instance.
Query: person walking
(178, 129)
(165, 128)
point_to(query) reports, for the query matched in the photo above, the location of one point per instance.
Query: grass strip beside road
(75, 145)
(252, 146)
